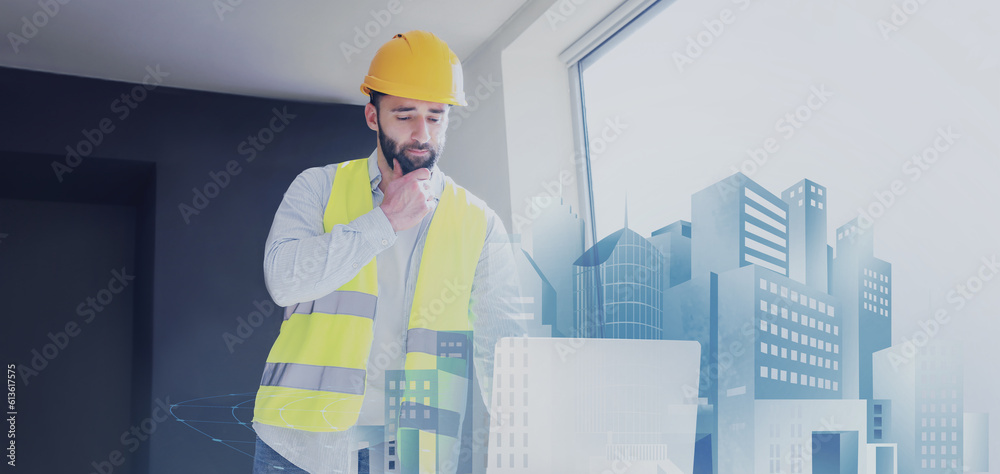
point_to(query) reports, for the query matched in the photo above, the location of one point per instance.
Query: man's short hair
(374, 97)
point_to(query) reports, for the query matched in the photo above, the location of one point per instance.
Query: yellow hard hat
(416, 65)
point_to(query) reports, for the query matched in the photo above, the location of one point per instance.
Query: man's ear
(371, 116)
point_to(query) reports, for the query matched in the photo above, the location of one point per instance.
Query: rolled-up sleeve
(301, 261)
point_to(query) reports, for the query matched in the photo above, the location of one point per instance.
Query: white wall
(515, 139)
(476, 152)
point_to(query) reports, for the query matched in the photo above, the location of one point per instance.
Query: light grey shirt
(304, 263)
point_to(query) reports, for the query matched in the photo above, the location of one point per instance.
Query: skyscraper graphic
(674, 242)
(976, 447)
(412, 403)
(556, 242)
(807, 259)
(735, 223)
(864, 284)
(619, 288)
(785, 340)
(925, 386)
(538, 296)
(769, 336)
(940, 409)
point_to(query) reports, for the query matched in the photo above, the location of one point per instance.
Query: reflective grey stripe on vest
(314, 377)
(429, 340)
(436, 420)
(354, 303)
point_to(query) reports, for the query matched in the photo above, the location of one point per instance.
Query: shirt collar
(437, 176)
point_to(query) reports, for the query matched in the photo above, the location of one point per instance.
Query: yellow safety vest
(314, 378)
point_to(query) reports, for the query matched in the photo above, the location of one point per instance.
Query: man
(390, 229)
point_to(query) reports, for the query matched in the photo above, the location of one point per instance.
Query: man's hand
(408, 198)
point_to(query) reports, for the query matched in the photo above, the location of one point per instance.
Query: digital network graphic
(796, 370)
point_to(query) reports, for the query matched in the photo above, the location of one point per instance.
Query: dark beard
(392, 151)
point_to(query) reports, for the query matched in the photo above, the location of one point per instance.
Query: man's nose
(421, 132)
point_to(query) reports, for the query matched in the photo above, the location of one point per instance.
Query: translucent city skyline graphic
(797, 357)
(894, 123)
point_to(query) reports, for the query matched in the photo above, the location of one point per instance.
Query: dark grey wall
(76, 361)
(205, 271)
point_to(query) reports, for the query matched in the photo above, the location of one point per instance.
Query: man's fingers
(420, 173)
(397, 170)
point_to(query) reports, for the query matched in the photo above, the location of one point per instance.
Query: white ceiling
(290, 50)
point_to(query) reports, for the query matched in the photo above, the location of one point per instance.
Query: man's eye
(435, 120)
(402, 118)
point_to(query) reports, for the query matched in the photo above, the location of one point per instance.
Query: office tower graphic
(691, 313)
(556, 242)
(940, 408)
(864, 284)
(619, 288)
(817, 436)
(674, 242)
(785, 340)
(413, 402)
(537, 302)
(925, 387)
(976, 448)
(807, 256)
(735, 223)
